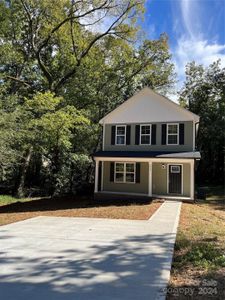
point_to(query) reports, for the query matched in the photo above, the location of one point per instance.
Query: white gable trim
(183, 113)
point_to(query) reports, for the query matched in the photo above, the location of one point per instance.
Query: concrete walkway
(53, 258)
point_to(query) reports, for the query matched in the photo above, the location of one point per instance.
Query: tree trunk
(22, 174)
(55, 170)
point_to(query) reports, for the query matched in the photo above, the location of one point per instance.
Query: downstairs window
(124, 172)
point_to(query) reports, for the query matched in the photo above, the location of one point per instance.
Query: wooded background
(64, 64)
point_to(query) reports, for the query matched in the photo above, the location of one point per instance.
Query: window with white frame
(145, 134)
(175, 169)
(121, 135)
(172, 134)
(124, 172)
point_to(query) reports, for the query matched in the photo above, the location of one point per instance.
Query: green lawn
(6, 199)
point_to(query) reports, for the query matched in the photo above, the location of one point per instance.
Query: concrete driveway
(85, 258)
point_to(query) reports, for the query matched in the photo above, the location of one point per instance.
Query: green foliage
(77, 166)
(11, 135)
(42, 103)
(51, 124)
(205, 255)
(59, 76)
(201, 254)
(204, 94)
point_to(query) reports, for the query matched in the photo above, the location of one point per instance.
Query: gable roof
(148, 106)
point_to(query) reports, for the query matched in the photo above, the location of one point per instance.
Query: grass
(13, 210)
(7, 199)
(200, 248)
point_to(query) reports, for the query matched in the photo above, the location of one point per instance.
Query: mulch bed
(77, 207)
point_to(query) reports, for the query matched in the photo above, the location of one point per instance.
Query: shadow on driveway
(135, 267)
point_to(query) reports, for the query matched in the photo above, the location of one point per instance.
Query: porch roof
(148, 154)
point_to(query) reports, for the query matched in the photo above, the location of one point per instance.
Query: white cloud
(194, 44)
(201, 51)
(190, 12)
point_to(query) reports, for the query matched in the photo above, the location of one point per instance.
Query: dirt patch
(197, 270)
(193, 283)
(77, 207)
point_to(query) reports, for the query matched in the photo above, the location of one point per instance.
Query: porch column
(96, 175)
(192, 179)
(150, 178)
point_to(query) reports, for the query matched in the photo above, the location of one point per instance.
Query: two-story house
(148, 150)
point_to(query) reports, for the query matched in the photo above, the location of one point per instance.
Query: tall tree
(58, 36)
(86, 54)
(204, 94)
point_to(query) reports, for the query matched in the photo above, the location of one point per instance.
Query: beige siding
(159, 182)
(148, 105)
(141, 187)
(186, 179)
(188, 140)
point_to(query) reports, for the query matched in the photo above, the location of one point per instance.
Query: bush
(74, 175)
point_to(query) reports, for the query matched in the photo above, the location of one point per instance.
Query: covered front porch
(153, 180)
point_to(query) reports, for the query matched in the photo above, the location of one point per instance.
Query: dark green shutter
(163, 140)
(128, 135)
(113, 133)
(138, 172)
(100, 175)
(112, 171)
(153, 134)
(137, 134)
(181, 134)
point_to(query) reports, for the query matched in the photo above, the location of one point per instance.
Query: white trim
(150, 178)
(150, 135)
(125, 135)
(192, 179)
(171, 197)
(124, 172)
(146, 195)
(102, 176)
(167, 133)
(96, 175)
(182, 170)
(123, 193)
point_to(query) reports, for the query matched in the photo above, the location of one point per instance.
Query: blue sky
(196, 30)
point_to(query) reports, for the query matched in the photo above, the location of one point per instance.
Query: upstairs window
(145, 134)
(172, 134)
(121, 135)
(124, 172)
